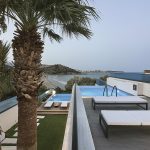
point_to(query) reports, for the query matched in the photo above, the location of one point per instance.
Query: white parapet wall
(125, 85)
(128, 86)
(77, 127)
(8, 118)
(146, 89)
(67, 142)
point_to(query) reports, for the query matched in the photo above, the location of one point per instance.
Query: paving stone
(16, 134)
(9, 141)
(9, 147)
(40, 117)
(16, 129)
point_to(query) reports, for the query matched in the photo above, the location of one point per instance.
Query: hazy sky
(121, 39)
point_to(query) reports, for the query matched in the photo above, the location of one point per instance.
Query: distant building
(146, 71)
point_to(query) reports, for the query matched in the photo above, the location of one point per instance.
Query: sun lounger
(56, 104)
(112, 118)
(48, 104)
(64, 105)
(125, 100)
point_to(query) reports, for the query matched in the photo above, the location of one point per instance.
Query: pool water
(60, 97)
(98, 91)
(89, 91)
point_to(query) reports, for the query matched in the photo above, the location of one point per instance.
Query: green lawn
(11, 131)
(50, 132)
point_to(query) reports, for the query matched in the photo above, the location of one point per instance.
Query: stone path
(16, 134)
(40, 117)
(8, 147)
(14, 140)
(9, 141)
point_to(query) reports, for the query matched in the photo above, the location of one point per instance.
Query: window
(134, 87)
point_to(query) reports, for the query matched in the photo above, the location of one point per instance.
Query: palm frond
(4, 50)
(75, 30)
(72, 16)
(51, 34)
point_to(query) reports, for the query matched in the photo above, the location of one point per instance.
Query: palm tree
(4, 50)
(4, 74)
(34, 18)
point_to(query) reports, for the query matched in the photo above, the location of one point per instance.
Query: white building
(135, 86)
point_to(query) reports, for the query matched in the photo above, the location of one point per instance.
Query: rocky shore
(49, 83)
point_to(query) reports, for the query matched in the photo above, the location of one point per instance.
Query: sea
(61, 80)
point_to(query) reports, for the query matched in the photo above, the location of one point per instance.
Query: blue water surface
(98, 91)
(89, 91)
(60, 97)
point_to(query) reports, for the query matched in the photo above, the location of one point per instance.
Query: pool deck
(52, 110)
(120, 138)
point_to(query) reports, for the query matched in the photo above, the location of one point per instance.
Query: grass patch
(51, 132)
(11, 131)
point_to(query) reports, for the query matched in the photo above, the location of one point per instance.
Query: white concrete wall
(146, 89)
(8, 118)
(127, 86)
(67, 142)
(85, 140)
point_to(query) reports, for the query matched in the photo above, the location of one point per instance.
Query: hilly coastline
(58, 69)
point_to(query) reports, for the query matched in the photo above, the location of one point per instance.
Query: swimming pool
(98, 91)
(88, 91)
(60, 97)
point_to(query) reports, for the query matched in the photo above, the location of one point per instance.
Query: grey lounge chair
(112, 118)
(125, 100)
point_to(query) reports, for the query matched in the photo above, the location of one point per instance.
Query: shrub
(42, 89)
(79, 81)
(104, 78)
(6, 87)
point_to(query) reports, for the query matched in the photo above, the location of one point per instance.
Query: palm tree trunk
(27, 50)
(27, 127)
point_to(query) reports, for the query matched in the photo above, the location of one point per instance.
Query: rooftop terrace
(83, 131)
(120, 138)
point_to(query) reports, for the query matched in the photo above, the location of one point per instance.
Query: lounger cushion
(100, 99)
(133, 117)
(48, 104)
(64, 104)
(144, 116)
(119, 99)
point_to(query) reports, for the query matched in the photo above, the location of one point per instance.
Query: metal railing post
(114, 87)
(75, 132)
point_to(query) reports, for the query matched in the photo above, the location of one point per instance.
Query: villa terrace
(119, 138)
(83, 131)
(52, 110)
